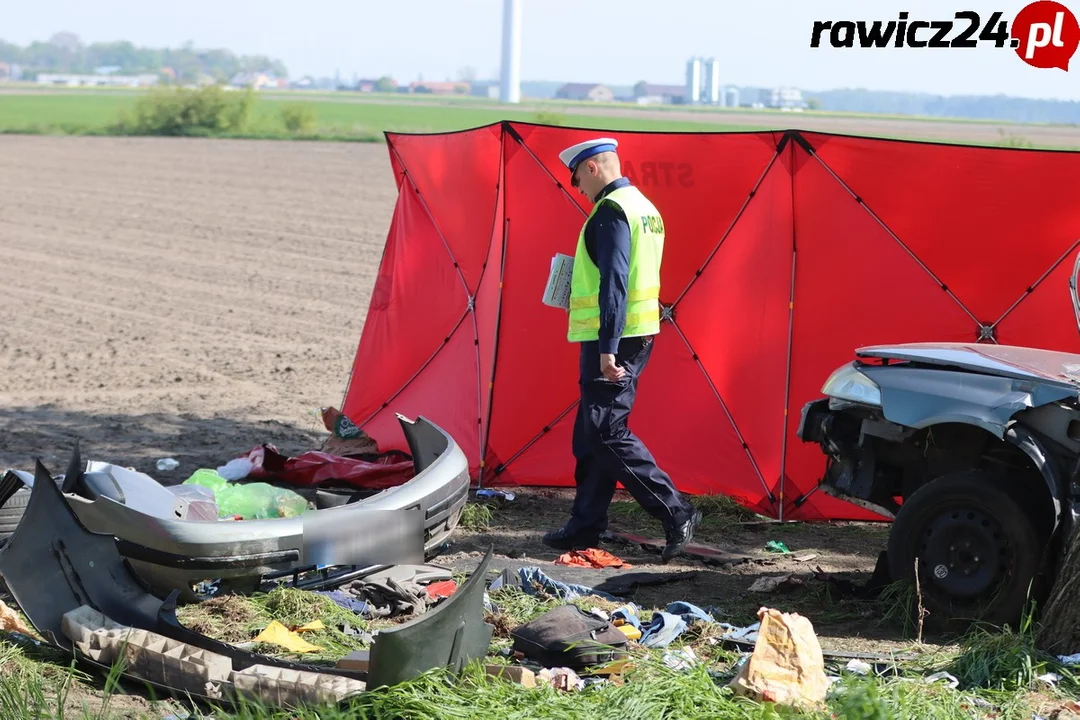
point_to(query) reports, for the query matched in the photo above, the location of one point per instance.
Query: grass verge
(351, 117)
(992, 673)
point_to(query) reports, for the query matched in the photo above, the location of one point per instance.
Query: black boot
(679, 536)
(563, 539)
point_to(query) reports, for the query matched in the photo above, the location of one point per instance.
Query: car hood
(1025, 363)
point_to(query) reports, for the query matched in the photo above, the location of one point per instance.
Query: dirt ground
(193, 299)
(180, 298)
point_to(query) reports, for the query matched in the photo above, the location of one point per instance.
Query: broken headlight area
(848, 385)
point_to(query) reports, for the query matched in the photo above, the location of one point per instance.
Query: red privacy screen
(785, 252)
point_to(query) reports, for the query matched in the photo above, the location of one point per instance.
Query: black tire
(12, 511)
(978, 549)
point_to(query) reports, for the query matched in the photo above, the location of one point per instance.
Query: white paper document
(557, 291)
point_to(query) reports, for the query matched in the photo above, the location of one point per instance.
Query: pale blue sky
(615, 41)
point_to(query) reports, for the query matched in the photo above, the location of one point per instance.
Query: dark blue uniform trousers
(607, 452)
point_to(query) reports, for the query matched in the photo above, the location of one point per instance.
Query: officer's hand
(609, 369)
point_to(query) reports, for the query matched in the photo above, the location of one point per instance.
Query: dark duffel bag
(567, 636)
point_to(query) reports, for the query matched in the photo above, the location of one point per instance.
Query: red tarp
(785, 252)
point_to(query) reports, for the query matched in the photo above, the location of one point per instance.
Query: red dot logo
(1045, 34)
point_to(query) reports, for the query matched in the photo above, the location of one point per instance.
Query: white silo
(510, 75)
(712, 81)
(693, 81)
(731, 96)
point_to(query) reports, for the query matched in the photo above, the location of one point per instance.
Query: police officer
(614, 314)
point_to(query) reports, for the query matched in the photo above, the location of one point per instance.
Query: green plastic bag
(249, 501)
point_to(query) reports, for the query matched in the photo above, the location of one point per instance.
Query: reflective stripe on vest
(643, 281)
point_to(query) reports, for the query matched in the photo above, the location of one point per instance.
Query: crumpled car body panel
(400, 525)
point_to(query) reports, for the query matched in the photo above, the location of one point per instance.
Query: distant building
(585, 91)
(439, 88)
(258, 81)
(648, 94)
(71, 79)
(485, 88)
(693, 81)
(783, 98)
(703, 81)
(372, 85)
(731, 96)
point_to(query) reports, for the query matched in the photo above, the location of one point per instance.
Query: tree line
(66, 53)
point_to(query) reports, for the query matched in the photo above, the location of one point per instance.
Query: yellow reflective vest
(643, 283)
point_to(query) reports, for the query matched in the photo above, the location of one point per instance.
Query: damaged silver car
(972, 450)
(172, 547)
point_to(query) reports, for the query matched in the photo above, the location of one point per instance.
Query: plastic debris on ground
(11, 622)
(787, 666)
(167, 464)
(200, 499)
(441, 589)
(346, 438)
(561, 678)
(278, 634)
(779, 582)
(485, 493)
(249, 501)
(682, 659)
(777, 546)
(592, 558)
(859, 667)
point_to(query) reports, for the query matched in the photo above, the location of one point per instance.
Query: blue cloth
(607, 240)
(346, 601)
(530, 577)
(663, 629)
(690, 612)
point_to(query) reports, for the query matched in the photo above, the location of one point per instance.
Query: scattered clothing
(533, 581)
(398, 590)
(663, 629)
(593, 558)
(690, 612)
(347, 601)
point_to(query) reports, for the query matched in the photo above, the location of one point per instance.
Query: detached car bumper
(405, 524)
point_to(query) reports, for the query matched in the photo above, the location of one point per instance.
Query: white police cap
(574, 154)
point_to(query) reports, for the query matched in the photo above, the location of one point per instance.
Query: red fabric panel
(417, 300)
(536, 368)
(698, 183)
(445, 393)
(545, 458)
(1045, 319)
(456, 175)
(488, 298)
(854, 286)
(965, 211)
(680, 420)
(736, 316)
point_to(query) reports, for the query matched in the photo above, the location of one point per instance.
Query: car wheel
(977, 550)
